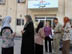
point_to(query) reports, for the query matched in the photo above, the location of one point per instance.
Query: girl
(7, 36)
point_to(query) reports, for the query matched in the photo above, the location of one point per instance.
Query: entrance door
(45, 18)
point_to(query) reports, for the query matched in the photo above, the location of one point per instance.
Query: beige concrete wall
(65, 9)
(68, 8)
(21, 11)
(3, 9)
(11, 11)
(61, 11)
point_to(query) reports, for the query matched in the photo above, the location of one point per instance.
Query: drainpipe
(26, 6)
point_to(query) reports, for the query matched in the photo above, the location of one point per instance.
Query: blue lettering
(42, 4)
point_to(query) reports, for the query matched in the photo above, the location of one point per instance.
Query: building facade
(41, 10)
(16, 9)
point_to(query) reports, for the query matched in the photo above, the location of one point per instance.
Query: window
(37, 19)
(0, 22)
(21, 1)
(45, 18)
(20, 22)
(2, 2)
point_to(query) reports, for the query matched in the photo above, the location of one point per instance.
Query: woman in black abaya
(27, 46)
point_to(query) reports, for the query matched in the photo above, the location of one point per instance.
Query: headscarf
(29, 19)
(6, 22)
(66, 19)
(40, 25)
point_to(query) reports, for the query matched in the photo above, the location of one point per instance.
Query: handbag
(50, 36)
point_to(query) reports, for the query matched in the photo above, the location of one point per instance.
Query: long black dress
(28, 39)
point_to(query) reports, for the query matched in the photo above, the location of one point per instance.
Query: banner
(42, 4)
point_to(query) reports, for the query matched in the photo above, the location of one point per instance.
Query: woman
(66, 37)
(7, 36)
(48, 34)
(28, 37)
(39, 37)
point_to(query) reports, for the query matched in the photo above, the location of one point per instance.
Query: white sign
(42, 4)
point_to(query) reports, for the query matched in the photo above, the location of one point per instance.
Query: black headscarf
(40, 25)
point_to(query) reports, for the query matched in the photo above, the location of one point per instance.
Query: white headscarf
(6, 22)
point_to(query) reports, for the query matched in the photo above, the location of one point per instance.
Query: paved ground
(17, 46)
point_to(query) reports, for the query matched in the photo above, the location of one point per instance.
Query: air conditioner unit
(2, 1)
(21, 1)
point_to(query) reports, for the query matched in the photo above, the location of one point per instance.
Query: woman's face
(47, 24)
(26, 19)
(65, 20)
(55, 21)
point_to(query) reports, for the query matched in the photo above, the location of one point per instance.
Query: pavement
(17, 47)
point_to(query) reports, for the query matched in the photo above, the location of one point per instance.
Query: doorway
(45, 18)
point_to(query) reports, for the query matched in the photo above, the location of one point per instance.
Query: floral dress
(7, 38)
(67, 32)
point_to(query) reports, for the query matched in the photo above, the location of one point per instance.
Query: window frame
(18, 22)
(0, 22)
(21, 23)
(21, 1)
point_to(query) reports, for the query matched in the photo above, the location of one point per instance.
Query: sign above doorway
(42, 4)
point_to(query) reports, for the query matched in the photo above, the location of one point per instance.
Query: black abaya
(28, 39)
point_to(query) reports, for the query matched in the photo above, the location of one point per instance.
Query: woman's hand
(22, 31)
(63, 29)
(14, 34)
